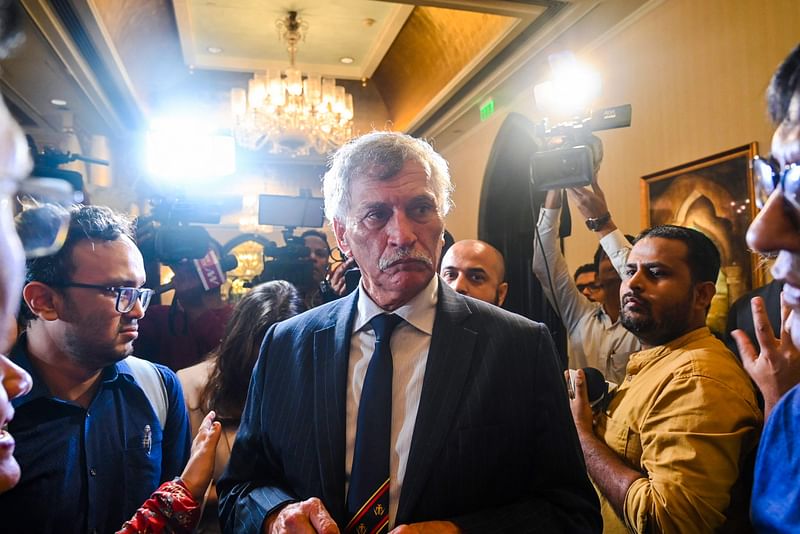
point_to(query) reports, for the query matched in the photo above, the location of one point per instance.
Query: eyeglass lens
(126, 298)
(43, 219)
(767, 176)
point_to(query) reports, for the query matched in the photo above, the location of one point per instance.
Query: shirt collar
(420, 311)
(639, 359)
(19, 355)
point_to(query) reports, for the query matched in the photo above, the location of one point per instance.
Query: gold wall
(695, 73)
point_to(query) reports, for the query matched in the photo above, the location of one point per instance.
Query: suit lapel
(331, 356)
(449, 360)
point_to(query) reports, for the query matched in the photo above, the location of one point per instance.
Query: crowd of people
(414, 403)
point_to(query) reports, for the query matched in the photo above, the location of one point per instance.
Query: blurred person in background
(220, 382)
(180, 334)
(476, 269)
(586, 281)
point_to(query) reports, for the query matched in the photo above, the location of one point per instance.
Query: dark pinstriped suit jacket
(494, 446)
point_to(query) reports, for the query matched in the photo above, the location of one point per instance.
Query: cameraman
(596, 337)
(181, 334)
(319, 251)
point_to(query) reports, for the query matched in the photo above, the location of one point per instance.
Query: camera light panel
(186, 153)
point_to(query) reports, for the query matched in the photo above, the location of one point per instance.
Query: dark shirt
(89, 470)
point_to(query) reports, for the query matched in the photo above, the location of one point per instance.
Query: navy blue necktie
(368, 496)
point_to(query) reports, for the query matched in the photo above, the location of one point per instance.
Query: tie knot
(384, 324)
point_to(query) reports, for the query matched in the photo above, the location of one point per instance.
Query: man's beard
(92, 355)
(654, 332)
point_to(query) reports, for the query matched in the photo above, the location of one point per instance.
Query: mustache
(627, 297)
(402, 255)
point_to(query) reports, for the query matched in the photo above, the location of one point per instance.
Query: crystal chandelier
(287, 112)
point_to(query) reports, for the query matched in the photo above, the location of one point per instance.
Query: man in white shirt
(596, 337)
(473, 433)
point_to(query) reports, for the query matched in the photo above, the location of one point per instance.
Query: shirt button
(93, 471)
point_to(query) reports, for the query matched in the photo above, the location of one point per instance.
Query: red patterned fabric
(170, 509)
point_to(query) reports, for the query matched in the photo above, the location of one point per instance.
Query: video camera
(290, 262)
(170, 235)
(46, 163)
(577, 153)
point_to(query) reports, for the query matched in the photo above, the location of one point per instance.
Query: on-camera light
(186, 152)
(571, 89)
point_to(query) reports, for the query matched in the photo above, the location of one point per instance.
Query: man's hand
(579, 406)
(337, 280)
(200, 468)
(591, 203)
(301, 517)
(428, 527)
(776, 368)
(610, 474)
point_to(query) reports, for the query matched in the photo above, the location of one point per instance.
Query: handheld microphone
(207, 272)
(597, 389)
(596, 385)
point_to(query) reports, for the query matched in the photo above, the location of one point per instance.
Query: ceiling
(418, 66)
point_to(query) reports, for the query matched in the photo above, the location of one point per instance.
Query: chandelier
(290, 113)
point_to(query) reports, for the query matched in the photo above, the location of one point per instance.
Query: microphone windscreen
(229, 262)
(596, 385)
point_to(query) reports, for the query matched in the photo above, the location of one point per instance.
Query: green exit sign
(487, 109)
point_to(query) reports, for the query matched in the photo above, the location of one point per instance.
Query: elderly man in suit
(404, 406)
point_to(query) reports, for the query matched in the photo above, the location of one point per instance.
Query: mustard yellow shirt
(685, 416)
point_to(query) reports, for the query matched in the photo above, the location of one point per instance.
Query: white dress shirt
(410, 343)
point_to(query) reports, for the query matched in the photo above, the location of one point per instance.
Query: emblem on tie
(362, 528)
(378, 510)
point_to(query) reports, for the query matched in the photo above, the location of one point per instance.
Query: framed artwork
(714, 195)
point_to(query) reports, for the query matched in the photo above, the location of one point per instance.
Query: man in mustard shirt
(667, 451)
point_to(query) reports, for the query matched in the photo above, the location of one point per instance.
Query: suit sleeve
(562, 498)
(252, 485)
(177, 434)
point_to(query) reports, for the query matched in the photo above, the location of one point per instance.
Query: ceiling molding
(581, 26)
(382, 43)
(394, 16)
(469, 70)
(506, 8)
(62, 47)
(553, 24)
(183, 19)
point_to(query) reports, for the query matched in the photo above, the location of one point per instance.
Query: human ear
(339, 230)
(42, 300)
(705, 292)
(502, 291)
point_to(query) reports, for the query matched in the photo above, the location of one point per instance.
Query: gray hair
(381, 155)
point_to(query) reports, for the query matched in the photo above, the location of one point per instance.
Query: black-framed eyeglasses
(591, 287)
(767, 175)
(126, 296)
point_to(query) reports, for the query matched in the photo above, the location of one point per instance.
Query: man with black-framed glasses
(99, 430)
